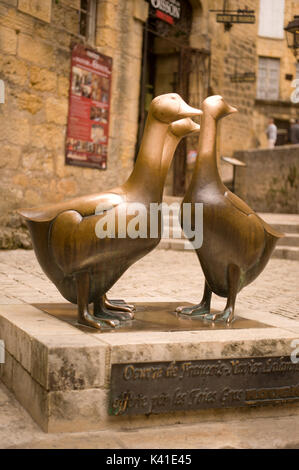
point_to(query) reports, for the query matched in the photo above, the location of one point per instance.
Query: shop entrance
(170, 64)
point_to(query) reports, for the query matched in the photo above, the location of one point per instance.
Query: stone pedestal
(60, 372)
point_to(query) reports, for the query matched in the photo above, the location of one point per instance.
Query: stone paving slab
(163, 275)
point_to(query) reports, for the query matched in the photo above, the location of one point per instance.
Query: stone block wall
(282, 108)
(35, 59)
(270, 182)
(232, 52)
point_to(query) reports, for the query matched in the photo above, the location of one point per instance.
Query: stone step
(175, 244)
(281, 251)
(272, 218)
(287, 228)
(286, 223)
(286, 252)
(287, 247)
(290, 239)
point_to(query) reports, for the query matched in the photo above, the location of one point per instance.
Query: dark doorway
(283, 131)
(165, 69)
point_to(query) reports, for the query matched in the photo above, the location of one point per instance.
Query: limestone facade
(35, 55)
(35, 44)
(274, 190)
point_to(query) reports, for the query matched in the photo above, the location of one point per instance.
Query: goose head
(171, 107)
(184, 127)
(217, 107)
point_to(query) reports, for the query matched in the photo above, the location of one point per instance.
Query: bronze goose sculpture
(237, 243)
(83, 266)
(175, 132)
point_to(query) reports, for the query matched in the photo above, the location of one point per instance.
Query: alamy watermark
(151, 221)
(295, 351)
(295, 94)
(2, 92)
(2, 352)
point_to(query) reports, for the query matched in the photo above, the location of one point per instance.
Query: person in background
(294, 131)
(271, 133)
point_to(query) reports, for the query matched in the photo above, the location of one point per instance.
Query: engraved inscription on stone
(161, 387)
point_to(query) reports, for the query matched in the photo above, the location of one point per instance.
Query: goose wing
(84, 205)
(75, 241)
(243, 207)
(238, 203)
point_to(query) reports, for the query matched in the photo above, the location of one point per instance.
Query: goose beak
(232, 110)
(196, 128)
(188, 111)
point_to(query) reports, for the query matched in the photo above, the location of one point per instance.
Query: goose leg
(200, 309)
(233, 275)
(100, 310)
(84, 317)
(118, 304)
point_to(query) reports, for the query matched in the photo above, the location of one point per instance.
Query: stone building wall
(282, 109)
(270, 182)
(35, 57)
(231, 52)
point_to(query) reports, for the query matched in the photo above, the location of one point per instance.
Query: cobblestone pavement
(163, 275)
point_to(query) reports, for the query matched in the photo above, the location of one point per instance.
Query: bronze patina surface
(237, 243)
(162, 387)
(84, 266)
(151, 316)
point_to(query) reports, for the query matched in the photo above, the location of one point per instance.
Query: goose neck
(146, 176)
(206, 163)
(170, 144)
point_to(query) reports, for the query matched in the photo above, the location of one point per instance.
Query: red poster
(89, 106)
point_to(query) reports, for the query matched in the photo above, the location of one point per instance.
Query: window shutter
(268, 79)
(262, 79)
(271, 18)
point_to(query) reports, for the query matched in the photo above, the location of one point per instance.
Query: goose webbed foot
(84, 317)
(195, 310)
(118, 305)
(200, 309)
(227, 316)
(113, 312)
(87, 319)
(233, 279)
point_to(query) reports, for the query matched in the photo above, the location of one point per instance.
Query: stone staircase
(287, 247)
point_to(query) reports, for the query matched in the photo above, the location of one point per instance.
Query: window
(271, 19)
(268, 78)
(87, 19)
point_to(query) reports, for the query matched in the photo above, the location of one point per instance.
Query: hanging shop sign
(166, 10)
(89, 108)
(229, 17)
(236, 17)
(247, 77)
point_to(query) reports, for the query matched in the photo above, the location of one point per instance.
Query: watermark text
(2, 352)
(135, 220)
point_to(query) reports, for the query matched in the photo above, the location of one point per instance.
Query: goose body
(237, 243)
(84, 266)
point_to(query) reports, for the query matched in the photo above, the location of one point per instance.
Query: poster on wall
(89, 106)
